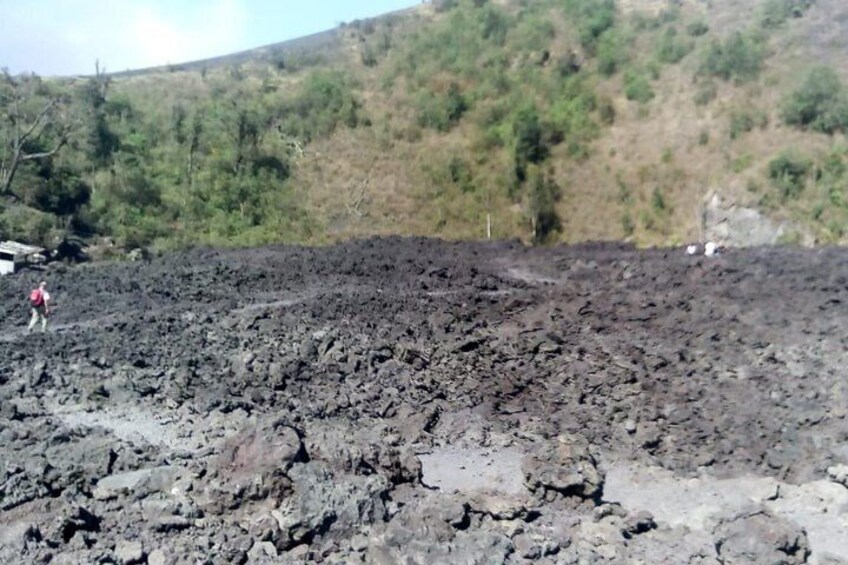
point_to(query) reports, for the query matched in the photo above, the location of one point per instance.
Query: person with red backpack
(39, 300)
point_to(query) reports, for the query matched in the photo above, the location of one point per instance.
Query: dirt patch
(473, 470)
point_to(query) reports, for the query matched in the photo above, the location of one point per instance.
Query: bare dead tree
(26, 129)
(357, 196)
(293, 146)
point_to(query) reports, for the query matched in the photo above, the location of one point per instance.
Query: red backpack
(36, 297)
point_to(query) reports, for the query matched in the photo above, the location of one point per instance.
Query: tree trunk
(9, 174)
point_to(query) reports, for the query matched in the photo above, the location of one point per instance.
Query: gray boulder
(324, 501)
(754, 536)
(565, 466)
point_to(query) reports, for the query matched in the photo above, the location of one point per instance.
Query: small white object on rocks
(692, 250)
(710, 248)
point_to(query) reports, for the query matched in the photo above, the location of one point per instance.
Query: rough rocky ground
(413, 401)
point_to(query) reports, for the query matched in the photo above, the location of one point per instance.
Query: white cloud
(67, 36)
(157, 40)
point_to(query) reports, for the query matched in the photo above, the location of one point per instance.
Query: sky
(66, 37)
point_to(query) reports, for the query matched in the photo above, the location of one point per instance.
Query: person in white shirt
(39, 299)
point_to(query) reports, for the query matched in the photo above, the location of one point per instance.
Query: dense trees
(205, 164)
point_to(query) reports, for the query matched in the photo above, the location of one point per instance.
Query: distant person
(39, 299)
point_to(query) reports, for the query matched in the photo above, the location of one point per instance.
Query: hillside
(554, 120)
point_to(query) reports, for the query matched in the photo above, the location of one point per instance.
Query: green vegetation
(469, 110)
(738, 58)
(671, 48)
(637, 87)
(743, 120)
(593, 19)
(788, 172)
(697, 28)
(544, 194)
(776, 12)
(820, 103)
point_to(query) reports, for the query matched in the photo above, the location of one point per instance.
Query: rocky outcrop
(738, 226)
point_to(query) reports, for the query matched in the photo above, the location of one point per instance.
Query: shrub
(671, 49)
(776, 12)
(745, 120)
(705, 92)
(495, 25)
(611, 52)
(459, 173)
(325, 100)
(544, 194)
(741, 163)
(658, 201)
(368, 55)
(441, 112)
(739, 57)
(788, 173)
(637, 87)
(530, 146)
(571, 118)
(820, 103)
(567, 65)
(593, 18)
(627, 224)
(445, 5)
(533, 33)
(606, 111)
(697, 28)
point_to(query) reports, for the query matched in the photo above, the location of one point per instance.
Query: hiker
(39, 299)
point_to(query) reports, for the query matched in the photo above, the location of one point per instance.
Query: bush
(776, 12)
(533, 32)
(705, 92)
(571, 117)
(739, 57)
(445, 5)
(788, 173)
(325, 100)
(671, 49)
(820, 103)
(611, 52)
(745, 120)
(637, 88)
(593, 18)
(495, 25)
(628, 226)
(697, 29)
(544, 194)
(530, 146)
(658, 201)
(606, 111)
(459, 174)
(441, 112)
(63, 193)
